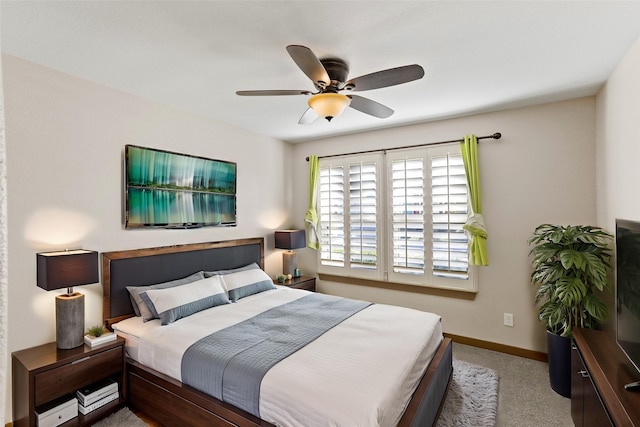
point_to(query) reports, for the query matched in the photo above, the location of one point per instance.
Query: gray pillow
(247, 282)
(174, 303)
(140, 307)
(233, 270)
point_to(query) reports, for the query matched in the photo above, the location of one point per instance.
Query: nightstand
(303, 282)
(44, 373)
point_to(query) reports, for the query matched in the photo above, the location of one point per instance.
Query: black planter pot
(559, 353)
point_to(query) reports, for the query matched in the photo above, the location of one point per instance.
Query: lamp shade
(329, 105)
(64, 269)
(290, 239)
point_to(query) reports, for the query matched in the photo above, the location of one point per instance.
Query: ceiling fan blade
(309, 64)
(272, 92)
(309, 116)
(370, 107)
(384, 78)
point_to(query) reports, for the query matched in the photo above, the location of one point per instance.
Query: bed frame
(172, 403)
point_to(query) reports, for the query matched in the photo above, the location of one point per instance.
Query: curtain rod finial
(497, 135)
(307, 158)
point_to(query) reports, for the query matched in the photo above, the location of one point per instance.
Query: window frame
(384, 228)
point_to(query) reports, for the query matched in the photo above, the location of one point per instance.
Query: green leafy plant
(280, 278)
(96, 331)
(569, 263)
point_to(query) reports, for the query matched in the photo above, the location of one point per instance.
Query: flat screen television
(628, 291)
(172, 190)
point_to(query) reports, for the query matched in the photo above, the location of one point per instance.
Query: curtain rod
(496, 135)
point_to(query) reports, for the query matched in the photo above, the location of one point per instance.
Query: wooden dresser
(599, 371)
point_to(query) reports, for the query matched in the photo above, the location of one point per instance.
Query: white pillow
(140, 307)
(171, 304)
(248, 282)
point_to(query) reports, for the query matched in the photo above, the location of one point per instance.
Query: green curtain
(475, 223)
(311, 217)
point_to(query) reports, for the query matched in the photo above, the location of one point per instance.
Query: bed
(291, 391)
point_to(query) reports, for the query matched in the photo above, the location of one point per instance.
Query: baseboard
(502, 348)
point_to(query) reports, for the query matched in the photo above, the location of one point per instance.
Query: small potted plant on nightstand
(97, 335)
(569, 264)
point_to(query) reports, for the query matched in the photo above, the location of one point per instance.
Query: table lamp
(66, 269)
(290, 239)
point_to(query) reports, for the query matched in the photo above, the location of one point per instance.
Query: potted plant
(569, 264)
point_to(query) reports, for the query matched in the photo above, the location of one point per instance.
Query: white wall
(542, 170)
(65, 142)
(618, 145)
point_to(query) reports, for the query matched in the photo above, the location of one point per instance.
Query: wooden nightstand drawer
(72, 376)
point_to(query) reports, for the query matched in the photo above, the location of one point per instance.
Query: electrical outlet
(508, 319)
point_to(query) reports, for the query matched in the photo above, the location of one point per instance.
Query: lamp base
(70, 320)
(289, 262)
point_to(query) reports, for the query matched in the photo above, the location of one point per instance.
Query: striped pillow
(244, 283)
(140, 307)
(172, 304)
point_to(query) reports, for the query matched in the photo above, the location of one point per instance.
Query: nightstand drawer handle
(584, 374)
(81, 360)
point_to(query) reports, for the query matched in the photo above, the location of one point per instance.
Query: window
(332, 216)
(349, 213)
(362, 215)
(407, 200)
(396, 217)
(449, 203)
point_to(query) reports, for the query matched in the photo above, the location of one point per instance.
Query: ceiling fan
(329, 76)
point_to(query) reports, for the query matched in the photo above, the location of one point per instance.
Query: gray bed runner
(230, 364)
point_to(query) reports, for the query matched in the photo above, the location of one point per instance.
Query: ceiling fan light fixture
(329, 105)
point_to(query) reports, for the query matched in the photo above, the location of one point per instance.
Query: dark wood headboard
(140, 267)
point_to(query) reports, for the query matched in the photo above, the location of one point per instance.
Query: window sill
(427, 290)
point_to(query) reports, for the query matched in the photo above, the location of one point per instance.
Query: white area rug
(123, 418)
(472, 400)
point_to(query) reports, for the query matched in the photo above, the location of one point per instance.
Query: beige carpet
(123, 418)
(526, 398)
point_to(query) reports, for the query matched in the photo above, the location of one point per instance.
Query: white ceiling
(478, 55)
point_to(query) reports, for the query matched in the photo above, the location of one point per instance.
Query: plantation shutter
(396, 217)
(407, 188)
(362, 215)
(449, 204)
(332, 215)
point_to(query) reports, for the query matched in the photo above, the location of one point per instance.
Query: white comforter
(360, 373)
